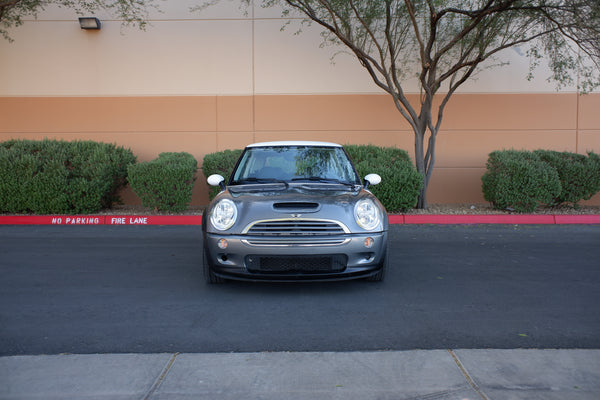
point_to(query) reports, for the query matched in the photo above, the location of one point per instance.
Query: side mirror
(372, 179)
(216, 180)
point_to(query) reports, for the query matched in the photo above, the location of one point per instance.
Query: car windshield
(271, 164)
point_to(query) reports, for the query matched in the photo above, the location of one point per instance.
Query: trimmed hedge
(222, 163)
(524, 180)
(400, 182)
(60, 177)
(166, 183)
(519, 180)
(398, 190)
(579, 175)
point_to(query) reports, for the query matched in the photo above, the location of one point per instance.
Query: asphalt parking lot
(467, 312)
(140, 290)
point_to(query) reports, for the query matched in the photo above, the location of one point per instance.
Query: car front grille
(294, 241)
(296, 227)
(296, 264)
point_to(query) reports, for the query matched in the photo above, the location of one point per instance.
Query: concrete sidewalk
(432, 374)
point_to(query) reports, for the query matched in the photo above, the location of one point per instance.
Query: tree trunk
(420, 165)
(422, 202)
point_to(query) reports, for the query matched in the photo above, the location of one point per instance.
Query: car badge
(296, 215)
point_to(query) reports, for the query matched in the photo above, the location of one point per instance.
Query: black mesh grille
(300, 263)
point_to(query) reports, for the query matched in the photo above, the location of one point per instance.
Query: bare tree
(445, 42)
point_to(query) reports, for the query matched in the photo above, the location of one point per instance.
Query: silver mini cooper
(294, 211)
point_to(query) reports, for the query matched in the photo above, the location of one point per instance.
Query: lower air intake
(296, 264)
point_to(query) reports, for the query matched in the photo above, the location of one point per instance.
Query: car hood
(307, 201)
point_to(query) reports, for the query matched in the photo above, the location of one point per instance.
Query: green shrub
(400, 182)
(221, 163)
(360, 152)
(519, 180)
(166, 183)
(579, 175)
(59, 177)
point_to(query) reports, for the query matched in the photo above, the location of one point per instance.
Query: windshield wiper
(252, 180)
(323, 180)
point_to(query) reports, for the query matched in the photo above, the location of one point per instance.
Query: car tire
(380, 275)
(209, 275)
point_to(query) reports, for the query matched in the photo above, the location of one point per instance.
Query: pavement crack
(437, 395)
(160, 378)
(467, 376)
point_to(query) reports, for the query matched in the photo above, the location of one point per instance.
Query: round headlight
(367, 214)
(223, 214)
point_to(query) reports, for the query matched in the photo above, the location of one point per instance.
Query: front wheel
(209, 275)
(380, 275)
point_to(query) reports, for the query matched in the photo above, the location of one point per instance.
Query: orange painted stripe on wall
(474, 125)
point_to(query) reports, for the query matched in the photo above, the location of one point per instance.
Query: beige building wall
(220, 79)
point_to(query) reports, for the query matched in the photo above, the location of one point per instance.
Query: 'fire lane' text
(128, 221)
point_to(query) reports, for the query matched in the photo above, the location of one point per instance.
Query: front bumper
(254, 258)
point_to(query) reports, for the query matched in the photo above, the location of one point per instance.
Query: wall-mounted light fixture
(89, 23)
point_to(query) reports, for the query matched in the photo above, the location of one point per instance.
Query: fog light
(222, 243)
(369, 242)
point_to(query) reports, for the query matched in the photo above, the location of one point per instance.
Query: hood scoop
(296, 206)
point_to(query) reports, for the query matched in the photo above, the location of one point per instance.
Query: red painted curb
(101, 220)
(479, 219)
(396, 218)
(577, 219)
(438, 219)
(53, 220)
(153, 220)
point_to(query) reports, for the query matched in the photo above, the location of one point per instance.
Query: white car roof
(295, 143)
